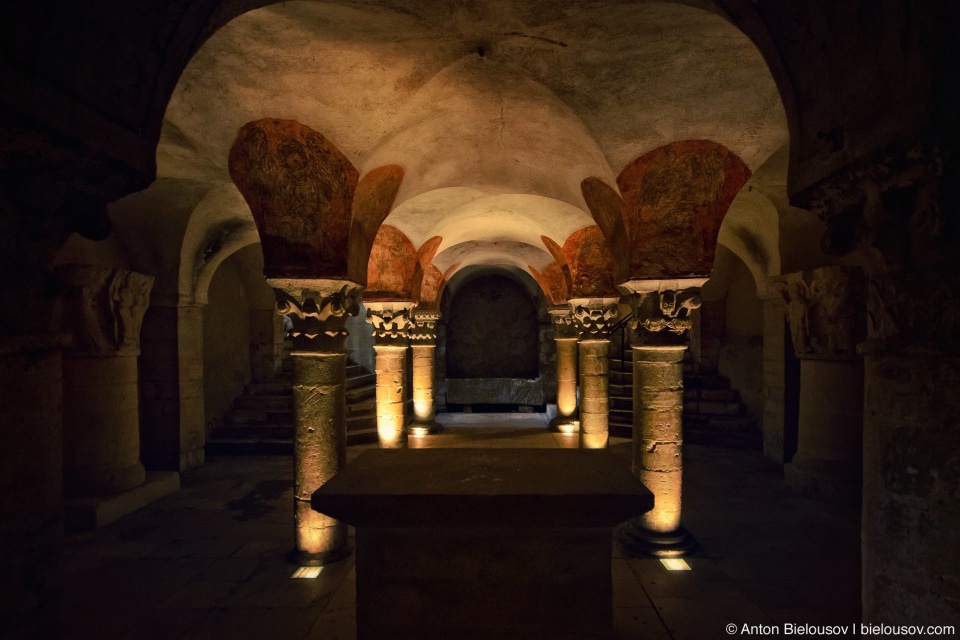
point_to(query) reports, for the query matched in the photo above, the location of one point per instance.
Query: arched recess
(490, 350)
(751, 231)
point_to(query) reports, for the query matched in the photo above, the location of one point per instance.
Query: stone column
(391, 321)
(171, 380)
(659, 333)
(423, 342)
(319, 309)
(565, 337)
(824, 308)
(102, 311)
(594, 317)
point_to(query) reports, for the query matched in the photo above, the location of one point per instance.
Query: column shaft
(101, 448)
(320, 447)
(658, 431)
(391, 403)
(424, 413)
(565, 420)
(828, 461)
(594, 386)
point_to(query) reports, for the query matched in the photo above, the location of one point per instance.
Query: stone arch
(219, 226)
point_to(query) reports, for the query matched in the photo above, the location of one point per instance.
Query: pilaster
(824, 310)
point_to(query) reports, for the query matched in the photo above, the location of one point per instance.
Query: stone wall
(226, 339)
(493, 331)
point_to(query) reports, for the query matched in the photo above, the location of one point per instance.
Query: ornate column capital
(662, 309)
(594, 317)
(391, 320)
(824, 308)
(423, 330)
(564, 325)
(319, 308)
(101, 308)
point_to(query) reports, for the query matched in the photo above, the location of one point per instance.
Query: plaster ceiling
(495, 146)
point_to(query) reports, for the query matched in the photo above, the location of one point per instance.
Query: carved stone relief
(824, 308)
(102, 309)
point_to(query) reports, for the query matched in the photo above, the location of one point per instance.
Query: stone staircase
(712, 411)
(261, 421)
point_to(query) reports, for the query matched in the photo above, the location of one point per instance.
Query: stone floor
(209, 561)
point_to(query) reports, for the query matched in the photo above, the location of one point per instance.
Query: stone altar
(484, 543)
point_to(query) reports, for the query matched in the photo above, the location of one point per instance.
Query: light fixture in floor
(307, 572)
(675, 564)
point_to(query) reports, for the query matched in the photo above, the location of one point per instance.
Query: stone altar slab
(484, 543)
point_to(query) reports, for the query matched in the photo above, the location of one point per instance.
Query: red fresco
(591, 264)
(300, 189)
(674, 200)
(391, 266)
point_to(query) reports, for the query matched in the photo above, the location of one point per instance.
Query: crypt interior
(671, 280)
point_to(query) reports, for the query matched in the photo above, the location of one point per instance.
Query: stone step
(246, 416)
(621, 377)
(709, 407)
(255, 431)
(362, 380)
(713, 395)
(355, 370)
(264, 402)
(356, 394)
(362, 407)
(621, 403)
(621, 390)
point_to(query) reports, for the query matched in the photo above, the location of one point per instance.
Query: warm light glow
(421, 407)
(307, 572)
(568, 428)
(675, 564)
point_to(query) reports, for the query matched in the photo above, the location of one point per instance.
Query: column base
(565, 425)
(92, 513)
(830, 481)
(303, 558)
(421, 429)
(636, 541)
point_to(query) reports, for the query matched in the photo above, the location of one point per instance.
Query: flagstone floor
(210, 560)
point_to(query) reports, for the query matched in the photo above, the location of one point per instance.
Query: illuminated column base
(424, 415)
(566, 418)
(594, 385)
(391, 373)
(658, 452)
(320, 449)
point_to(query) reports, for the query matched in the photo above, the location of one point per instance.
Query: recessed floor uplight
(307, 572)
(675, 564)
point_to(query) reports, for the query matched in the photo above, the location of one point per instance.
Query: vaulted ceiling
(496, 111)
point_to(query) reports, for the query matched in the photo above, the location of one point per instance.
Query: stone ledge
(92, 513)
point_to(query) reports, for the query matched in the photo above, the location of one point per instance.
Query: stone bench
(484, 543)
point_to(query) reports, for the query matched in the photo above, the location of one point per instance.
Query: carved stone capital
(564, 326)
(885, 203)
(917, 309)
(102, 309)
(594, 317)
(824, 309)
(424, 329)
(392, 322)
(319, 309)
(662, 309)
